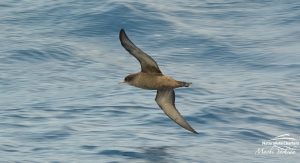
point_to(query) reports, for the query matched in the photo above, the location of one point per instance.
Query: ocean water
(61, 63)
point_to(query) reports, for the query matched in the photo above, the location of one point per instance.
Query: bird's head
(129, 79)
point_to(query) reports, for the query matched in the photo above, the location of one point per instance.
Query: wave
(40, 55)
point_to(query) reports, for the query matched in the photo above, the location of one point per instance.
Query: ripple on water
(152, 154)
(60, 62)
(252, 135)
(41, 55)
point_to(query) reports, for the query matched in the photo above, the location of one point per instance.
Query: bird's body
(152, 78)
(155, 81)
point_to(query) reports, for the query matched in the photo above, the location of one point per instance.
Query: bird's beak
(122, 82)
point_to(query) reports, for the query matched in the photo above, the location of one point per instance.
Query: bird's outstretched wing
(148, 64)
(166, 101)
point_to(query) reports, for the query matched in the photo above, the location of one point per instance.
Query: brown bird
(152, 78)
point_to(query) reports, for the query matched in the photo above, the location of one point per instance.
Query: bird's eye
(128, 78)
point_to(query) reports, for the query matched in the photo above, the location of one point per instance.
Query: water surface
(61, 62)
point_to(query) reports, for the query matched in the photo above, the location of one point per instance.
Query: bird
(151, 77)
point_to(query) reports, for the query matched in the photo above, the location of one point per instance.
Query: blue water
(61, 62)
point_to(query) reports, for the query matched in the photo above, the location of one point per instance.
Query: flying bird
(152, 78)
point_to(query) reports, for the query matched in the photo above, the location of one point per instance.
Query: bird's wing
(148, 64)
(166, 101)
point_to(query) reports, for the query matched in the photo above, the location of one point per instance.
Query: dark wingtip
(195, 132)
(192, 130)
(122, 33)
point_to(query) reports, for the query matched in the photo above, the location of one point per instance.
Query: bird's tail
(184, 84)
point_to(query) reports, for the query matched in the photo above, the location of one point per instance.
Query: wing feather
(148, 64)
(166, 101)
